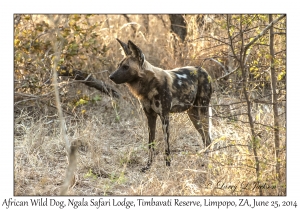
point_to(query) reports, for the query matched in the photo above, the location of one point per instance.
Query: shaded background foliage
(86, 44)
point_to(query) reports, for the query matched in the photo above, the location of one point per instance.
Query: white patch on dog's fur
(181, 76)
(165, 132)
(179, 82)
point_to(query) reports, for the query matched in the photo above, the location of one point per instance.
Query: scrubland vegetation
(109, 133)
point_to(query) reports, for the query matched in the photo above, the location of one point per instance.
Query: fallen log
(89, 80)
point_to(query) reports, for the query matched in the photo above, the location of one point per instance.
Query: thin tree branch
(263, 32)
(214, 60)
(226, 75)
(57, 51)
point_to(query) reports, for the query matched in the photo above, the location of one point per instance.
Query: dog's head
(129, 69)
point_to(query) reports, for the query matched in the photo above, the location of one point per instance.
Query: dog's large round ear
(125, 47)
(136, 52)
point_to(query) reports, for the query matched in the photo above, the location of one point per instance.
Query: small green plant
(90, 174)
(116, 108)
(106, 187)
(96, 98)
(81, 102)
(146, 146)
(129, 159)
(119, 179)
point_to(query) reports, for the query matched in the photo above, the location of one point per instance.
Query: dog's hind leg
(200, 121)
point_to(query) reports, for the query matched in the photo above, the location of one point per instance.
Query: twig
(214, 60)
(230, 145)
(30, 97)
(226, 75)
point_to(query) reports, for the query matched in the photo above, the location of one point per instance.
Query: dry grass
(112, 134)
(111, 154)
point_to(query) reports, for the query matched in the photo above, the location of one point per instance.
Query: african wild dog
(165, 91)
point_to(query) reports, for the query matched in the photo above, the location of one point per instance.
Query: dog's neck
(149, 67)
(148, 73)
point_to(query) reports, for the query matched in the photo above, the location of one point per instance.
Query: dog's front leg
(151, 116)
(165, 125)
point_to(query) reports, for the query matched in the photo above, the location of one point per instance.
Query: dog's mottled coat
(165, 91)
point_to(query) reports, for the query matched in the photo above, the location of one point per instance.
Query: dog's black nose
(111, 77)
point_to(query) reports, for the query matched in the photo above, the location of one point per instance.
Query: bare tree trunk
(241, 60)
(71, 151)
(274, 101)
(178, 26)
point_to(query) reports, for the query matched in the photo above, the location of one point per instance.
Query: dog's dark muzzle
(116, 78)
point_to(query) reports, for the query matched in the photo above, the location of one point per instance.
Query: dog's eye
(125, 67)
